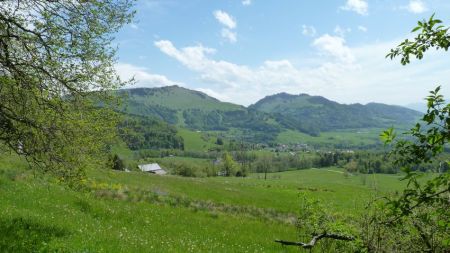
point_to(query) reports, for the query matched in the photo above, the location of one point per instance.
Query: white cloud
(309, 30)
(229, 35)
(142, 76)
(229, 22)
(341, 31)
(359, 6)
(334, 46)
(358, 74)
(212, 93)
(192, 57)
(246, 2)
(362, 28)
(244, 84)
(225, 19)
(416, 6)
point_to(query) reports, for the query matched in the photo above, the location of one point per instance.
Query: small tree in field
(229, 166)
(263, 164)
(351, 167)
(117, 163)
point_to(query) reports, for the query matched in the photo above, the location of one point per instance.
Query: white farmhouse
(152, 168)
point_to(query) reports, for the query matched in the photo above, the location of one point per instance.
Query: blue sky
(242, 50)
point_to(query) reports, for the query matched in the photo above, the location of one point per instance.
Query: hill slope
(313, 114)
(138, 212)
(263, 121)
(198, 111)
(178, 98)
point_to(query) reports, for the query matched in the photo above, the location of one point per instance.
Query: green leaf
(416, 29)
(387, 136)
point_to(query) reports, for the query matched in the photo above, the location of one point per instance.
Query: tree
(431, 35)
(117, 163)
(418, 219)
(424, 204)
(229, 166)
(219, 141)
(264, 163)
(56, 61)
(351, 167)
(430, 140)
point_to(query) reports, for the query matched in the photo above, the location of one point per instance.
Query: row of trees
(365, 162)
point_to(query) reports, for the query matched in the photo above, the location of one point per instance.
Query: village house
(152, 168)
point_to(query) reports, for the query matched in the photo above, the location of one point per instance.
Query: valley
(224, 126)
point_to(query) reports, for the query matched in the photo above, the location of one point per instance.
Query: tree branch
(315, 239)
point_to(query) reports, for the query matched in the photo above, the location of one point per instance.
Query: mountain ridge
(266, 118)
(313, 114)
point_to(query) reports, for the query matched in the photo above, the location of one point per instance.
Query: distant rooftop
(152, 167)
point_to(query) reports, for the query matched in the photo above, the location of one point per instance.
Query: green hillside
(137, 212)
(314, 114)
(140, 132)
(197, 111)
(177, 98)
(265, 120)
(348, 138)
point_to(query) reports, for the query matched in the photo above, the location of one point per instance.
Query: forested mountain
(313, 114)
(263, 120)
(140, 132)
(198, 111)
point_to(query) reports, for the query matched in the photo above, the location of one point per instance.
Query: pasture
(137, 212)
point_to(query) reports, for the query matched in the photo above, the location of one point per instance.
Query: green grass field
(197, 141)
(350, 137)
(205, 140)
(137, 212)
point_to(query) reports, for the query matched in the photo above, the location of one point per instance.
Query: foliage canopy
(424, 205)
(53, 56)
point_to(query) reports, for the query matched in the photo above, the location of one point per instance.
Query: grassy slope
(178, 98)
(197, 141)
(38, 215)
(279, 192)
(122, 150)
(353, 137)
(193, 141)
(285, 101)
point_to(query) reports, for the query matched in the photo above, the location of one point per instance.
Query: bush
(117, 163)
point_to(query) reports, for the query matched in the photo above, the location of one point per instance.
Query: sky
(240, 51)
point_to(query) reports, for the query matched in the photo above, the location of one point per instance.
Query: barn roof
(150, 167)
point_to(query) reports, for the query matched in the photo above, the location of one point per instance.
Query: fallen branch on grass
(317, 238)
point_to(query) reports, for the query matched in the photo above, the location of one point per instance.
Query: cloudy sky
(243, 50)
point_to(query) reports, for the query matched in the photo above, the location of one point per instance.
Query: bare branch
(315, 239)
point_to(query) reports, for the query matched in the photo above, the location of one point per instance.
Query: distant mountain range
(313, 114)
(263, 120)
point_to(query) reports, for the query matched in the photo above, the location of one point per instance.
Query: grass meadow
(137, 212)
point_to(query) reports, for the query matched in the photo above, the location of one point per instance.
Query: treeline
(240, 163)
(365, 162)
